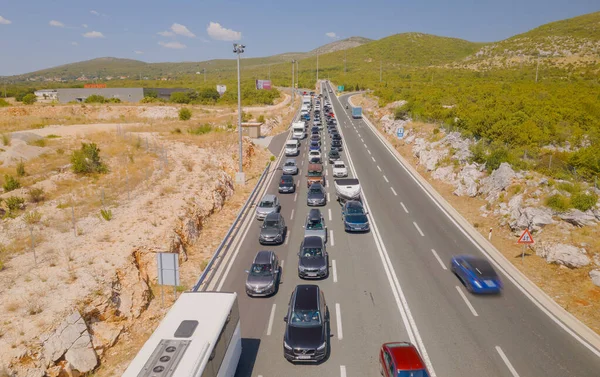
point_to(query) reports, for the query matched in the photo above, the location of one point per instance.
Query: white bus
(199, 337)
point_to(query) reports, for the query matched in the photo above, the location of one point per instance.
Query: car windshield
(482, 268)
(266, 204)
(305, 318)
(270, 224)
(413, 373)
(261, 269)
(312, 252)
(354, 210)
(339, 166)
(314, 173)
(333, 153)
(314, 225)
(290, 163)
(314, 190)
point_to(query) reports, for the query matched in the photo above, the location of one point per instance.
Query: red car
(401, 359)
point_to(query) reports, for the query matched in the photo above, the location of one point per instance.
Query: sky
(38, 34)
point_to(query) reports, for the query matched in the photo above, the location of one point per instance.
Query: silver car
(315, 225)
(290, 167)
(264, 274)
(268, 204)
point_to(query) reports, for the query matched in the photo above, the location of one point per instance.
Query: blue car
(477, 274)
(315, 146)
(354, 217)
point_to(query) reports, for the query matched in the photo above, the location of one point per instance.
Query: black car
(273, 230)
(336, 136)
(333, 155)
(286, 184)
(264, 274)
(313, 260)
(314, 129)
(316, 195)
(306, 337)
(355, 217)
(337, 144)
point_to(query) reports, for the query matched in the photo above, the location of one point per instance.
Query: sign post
(400, 132)
(525, 240)
(168, 272)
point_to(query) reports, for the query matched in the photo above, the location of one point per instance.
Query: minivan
(292, 148)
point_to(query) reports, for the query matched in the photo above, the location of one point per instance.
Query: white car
(314, 154)
(339, 169)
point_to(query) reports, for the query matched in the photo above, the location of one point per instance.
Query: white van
(292, 148)
(298, 129)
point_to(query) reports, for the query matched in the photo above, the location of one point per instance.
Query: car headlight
(478, 284)
(300, 268)
(278, 237)
(287, 346)
(270, 285)
(322, 346)
(323, 268)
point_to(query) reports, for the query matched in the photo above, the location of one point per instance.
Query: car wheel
(380, 369)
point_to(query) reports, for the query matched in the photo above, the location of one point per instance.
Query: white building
(47, 95)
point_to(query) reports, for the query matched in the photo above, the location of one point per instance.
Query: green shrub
(272, 158)
(558, 202)
(106, 214)
(3, 103)
(39, 142)
(95, 98)
(176, 131)
(185, 114)
(569, 187)
(583, 201)
(261, 119)
(496, 158)
(151, 100)
(114, 100)
(10, 183)
(6, 139)
(14, 203)
(32, 217)
(29, 99)
(180, 97)
(201, 130)
(36, 195)
(87, 160)
(400, 113)
(52, 136)
(20, 169)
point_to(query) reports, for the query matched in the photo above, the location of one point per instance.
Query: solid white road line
(435, 254)
(384, 177)
(287, 237)
(271, 318)
(378, 168)
(338, 316)
(365, 145)
(295, 196)
(334, 267)
(460, 292)
(331, 237)
(403, 206)
(282, 262)
(369, 151)
(419, 229)
(329, 212)
(373, 158)
(394, 191)
(328, 198)
(507, 362)
(342, 371)
(292, 215)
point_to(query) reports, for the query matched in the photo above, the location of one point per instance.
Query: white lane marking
(295, 196)
(460, 292)
(361, 139)
(369, 151)
(271, 318)
(328, 198)
(384, 177)
(342, 371)
(326, 172)
(331, 237)
(378, 168)
(419, 229)
(373, 158)
(334, 266)
(338, 316)
(359, 135)
(292, 215)
(287, 237)
(435, 254)
(403, 206)
(300, 171)
(329, 212)
(507, 362)
(365, 145)
(302, 163)
(282, 261)
(394, 191)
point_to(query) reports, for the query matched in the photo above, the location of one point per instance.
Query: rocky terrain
(505, 202)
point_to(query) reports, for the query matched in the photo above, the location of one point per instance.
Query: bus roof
(192, 326)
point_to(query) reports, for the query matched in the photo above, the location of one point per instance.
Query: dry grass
(12, 306)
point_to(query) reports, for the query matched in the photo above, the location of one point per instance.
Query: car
(315, 137)
(264, 275)
(336, 136)
(314, 160)
(330, 91)
(333, 155)
(314, 129)
(313, 260)
(315, 225)
(355, 217)
(287, 184)
(337, 144)
(273, 230)
(306, 336)
(314, 153)
(269, 203)
(339, 169)
(314, 146)
(290, 167)
(401, 359)
(477, 274)
(316, 195)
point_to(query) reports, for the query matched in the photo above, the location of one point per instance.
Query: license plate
(303, 357)
(490, 283)
(311, 274)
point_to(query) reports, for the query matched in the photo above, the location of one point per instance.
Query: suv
(354, 217)
(273, 229)
(268, 204)
(334, 155)
(286, 184)
(315, 225)
(313, 260)
(337, 144)
(401, 359)
(306, 337)
(264, 274)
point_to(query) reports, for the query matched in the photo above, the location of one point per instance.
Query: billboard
(263, 84)
(221, 89)
(96, 86)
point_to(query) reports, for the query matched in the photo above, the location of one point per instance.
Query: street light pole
(293, 82)
(239, 49)
(317, 67)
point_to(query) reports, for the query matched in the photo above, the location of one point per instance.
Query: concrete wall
(79, 94)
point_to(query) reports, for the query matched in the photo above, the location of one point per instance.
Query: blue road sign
(400, 132)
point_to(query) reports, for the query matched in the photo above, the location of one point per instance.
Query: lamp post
(293, 89)
(239, 49)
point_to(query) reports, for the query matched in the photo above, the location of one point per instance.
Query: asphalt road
(391, 285)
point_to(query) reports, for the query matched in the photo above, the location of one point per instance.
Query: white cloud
(4, 21)
(332, 35)
(56, 23)
(84, 26)
(182, 30)
(93, 34)
(75, 43)
(95, 13)
(166, 33)
(138, 52)
(175, 45)
(216, 31)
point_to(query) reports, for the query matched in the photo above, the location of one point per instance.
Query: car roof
(405, 355)
(290, 160)
(354, 203)
(263, 256)
(484, 267)
(334, 151)
(314, 214)
(273, 216)
(307, 297)
(339, 162)
(312, 241)
(285, 177)
(269, 197)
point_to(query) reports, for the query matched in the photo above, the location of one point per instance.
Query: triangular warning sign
(525, 238)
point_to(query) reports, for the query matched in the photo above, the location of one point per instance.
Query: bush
(400, 113)
(185, 114)
(151, 100)
(261, 119)
(150, 94)
(87, 160)
(3, 103)
(20, 169)
(6, 139)
(32, 217)
(180, 97)
(39, 142)
(106, 214)
(201, 130)
(95, 98)
(558, 202)
(10, 183)
(14, 203)
(36, 195)
(114, 100)
(29, 99)
(583, 201)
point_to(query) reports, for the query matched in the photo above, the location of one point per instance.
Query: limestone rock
(130, 289)
(81, 355)
(67, 333)
(595, 276)
(498, 181)
(578, 218)
(566, 255)
(467, 180)
(105, 334)
(445, 174)
(530, 218)
(430, 158)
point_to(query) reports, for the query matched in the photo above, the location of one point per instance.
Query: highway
(392, 284)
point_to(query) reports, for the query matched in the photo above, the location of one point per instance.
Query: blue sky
(38, 34)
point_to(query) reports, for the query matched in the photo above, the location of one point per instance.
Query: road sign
(526, 238)
(400, 132)
(340, 88)
(221, 89)
(168, 268)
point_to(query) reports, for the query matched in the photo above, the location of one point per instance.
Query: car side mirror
(247, 271)
(303, 227)
(366, 213)
(285, 319)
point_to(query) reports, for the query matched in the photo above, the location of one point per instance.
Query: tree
(87, 160)
(29, 99)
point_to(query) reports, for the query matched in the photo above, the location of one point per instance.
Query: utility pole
(317, 67)
(293, 89)
(537, 68)
(239, 49)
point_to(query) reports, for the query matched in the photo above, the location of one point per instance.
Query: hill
(343, 44)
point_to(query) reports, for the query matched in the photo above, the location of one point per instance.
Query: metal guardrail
(223, 243)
